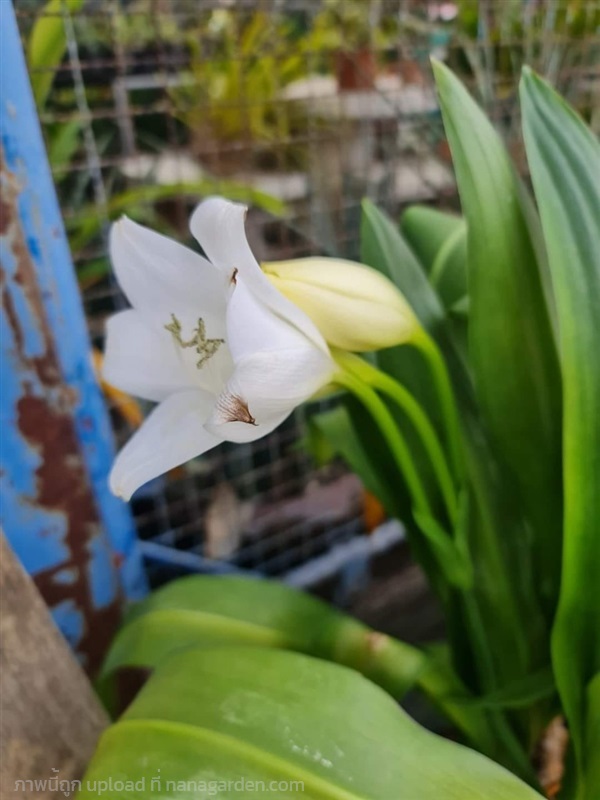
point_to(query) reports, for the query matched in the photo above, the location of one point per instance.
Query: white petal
(172, 434)
(140, 359)
(161, 277)
(265, 388)
(253, 327)
(241, 432)
(218, 225)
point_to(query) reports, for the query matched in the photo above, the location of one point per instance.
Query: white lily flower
(222, 351)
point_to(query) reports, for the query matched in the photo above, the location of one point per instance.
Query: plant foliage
(483, 436)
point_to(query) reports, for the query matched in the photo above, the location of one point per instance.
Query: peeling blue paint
(38, 533)
(70, 621)
(101, 566)
(65, 576)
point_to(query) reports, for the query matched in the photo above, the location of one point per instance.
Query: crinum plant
(476, 420)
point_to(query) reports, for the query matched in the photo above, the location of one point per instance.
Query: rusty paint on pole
(77, 541)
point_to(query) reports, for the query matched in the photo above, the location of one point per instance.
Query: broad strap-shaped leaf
(305, 727)
(564, 158)
(511, 341)
(426, 229)
(384, 249)
(440, 242)
(212, 610)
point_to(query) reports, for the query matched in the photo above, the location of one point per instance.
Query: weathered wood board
(50, 718)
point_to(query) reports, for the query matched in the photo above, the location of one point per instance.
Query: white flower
(222, 351)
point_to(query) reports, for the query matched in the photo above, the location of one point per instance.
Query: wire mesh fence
(300, 108)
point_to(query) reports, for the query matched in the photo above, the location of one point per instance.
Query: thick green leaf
(211, 716)
(426, 229)
(355, 437)
(564, 158)
(440, 242)
(384, 249)
(210, 609)
(47, 45)
(511, 341)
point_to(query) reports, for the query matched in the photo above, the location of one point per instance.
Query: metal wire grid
(119, 90)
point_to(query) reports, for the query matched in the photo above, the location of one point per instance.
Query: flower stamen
(206, 348)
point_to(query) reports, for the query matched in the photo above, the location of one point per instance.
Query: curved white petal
(253, 327)
(241, 432)
(172, 434)
(161, 277)
(218, 225)
(265, 388)
(140, 359)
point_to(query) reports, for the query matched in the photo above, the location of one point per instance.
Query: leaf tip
(366, 205)
(528, 77)
(440, 70)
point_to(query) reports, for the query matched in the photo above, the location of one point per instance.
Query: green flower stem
(423, 342)
(409, 405)
(377, 408)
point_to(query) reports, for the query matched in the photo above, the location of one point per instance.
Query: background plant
(231, 92)
(69, 147)
(497, 38)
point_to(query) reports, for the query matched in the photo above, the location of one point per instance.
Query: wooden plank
(50, 718)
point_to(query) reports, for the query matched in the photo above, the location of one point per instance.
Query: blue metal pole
(70, 533)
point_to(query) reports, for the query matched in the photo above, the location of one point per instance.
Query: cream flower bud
(355, 307)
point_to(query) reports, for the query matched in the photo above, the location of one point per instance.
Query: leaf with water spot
(214, 720)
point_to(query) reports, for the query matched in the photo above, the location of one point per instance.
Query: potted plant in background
(352, 31)
(228, 100)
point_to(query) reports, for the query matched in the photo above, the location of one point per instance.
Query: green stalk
(419, 419)
(423, 342)
(391, 435)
